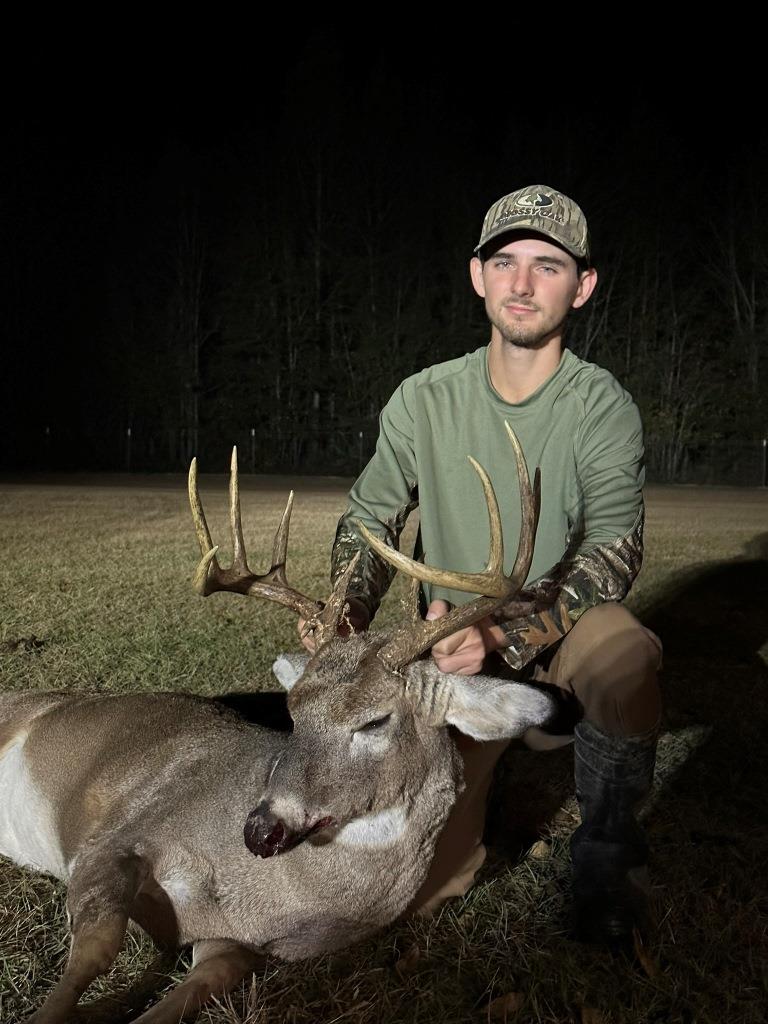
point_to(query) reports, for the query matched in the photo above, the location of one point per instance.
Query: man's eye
(501, 264)
(375, 724)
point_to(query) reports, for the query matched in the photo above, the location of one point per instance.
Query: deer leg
(121, 1007)
(217, 966)
(100, 892)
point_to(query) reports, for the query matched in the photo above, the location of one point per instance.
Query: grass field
(95, 594)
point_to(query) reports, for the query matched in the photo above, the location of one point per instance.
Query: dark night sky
(83, 114)
(79, 119)
(630, 122)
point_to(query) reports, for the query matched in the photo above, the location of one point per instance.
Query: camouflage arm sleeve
(561, 596)
(373, 576)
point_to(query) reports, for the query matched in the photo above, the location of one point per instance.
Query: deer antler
(409, 639)
(209, 577)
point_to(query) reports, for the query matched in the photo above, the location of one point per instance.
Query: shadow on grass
(709, 825)
(707, 821)
(712, 621)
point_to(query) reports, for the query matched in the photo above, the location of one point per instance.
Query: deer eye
(376, 723)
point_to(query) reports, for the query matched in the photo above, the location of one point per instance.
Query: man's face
(529, 285)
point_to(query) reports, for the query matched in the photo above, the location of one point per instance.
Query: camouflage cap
(544, 210)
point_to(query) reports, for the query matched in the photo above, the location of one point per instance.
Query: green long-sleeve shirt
(583, 431)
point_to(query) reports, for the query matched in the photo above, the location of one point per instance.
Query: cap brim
(527, 225)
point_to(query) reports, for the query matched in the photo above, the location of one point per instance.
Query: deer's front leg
(101, 890)
(217, 966)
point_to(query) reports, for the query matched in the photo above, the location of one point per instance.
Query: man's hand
(356, 620)
(463, 653)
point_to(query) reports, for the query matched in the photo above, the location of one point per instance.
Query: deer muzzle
(266, 835)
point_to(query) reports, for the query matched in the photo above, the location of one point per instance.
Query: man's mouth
(521, 309)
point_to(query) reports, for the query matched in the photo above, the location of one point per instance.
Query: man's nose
(522, 281)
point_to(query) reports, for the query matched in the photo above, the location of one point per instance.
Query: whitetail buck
(168, 809)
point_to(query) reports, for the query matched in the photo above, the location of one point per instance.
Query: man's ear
(587, 284)
(289, 668)
(476, 274)
(480, 706)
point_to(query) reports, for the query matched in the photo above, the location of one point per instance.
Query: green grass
(95, 594)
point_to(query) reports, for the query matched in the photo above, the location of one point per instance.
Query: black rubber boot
(609, 850)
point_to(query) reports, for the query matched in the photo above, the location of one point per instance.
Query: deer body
(161, 808)
(177, 796)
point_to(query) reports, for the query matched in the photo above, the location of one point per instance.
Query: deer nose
(264, 833)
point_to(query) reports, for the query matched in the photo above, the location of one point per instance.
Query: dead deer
(169, 810)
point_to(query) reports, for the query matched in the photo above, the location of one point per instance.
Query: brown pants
(610, 662)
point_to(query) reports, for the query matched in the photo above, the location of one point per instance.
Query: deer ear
(480, 706)
(289, 668)
(495, 709)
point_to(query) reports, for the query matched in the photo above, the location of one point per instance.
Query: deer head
(370, 716)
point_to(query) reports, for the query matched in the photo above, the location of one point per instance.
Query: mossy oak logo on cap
(543, 210)
(535, 202)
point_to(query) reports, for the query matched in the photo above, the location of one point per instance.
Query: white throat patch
(382, 829)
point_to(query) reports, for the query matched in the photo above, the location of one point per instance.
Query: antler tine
(407, 641)
(207, 549)
(238, 579)
(530, 503)
(325, 626)
(239, 560)
(491, 582)
(280, 543)
(411, 603)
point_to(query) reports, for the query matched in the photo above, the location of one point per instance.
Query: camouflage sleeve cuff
(604, 573)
